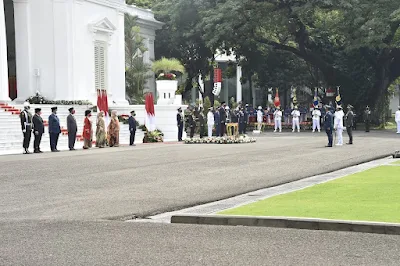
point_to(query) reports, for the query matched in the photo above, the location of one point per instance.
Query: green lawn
(373, 195)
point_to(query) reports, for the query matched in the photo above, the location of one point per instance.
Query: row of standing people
(34, 124)
(216, 118)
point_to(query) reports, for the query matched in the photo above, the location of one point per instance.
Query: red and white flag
(277, 101)
(150, 119)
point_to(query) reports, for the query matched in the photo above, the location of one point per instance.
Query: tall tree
(353, 43)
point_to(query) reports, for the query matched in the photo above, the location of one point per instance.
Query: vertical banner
(217, 81)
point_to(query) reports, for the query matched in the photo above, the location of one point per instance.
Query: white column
(3, 57)
(25, 75)
(238, 84)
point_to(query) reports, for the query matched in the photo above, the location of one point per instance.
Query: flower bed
(153, 136)
(221, 140)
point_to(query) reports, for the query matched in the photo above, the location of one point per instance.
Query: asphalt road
(61, 209)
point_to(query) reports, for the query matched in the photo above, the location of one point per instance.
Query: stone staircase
(11, 134)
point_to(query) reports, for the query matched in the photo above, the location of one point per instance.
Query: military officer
(72, 129)
(328, 125)
(38, 130)
(296, 119)
(26, 125)
(179, 121)
(367, 118)
(242, 121)
(278, 119)
(202, 122)
(316, 117)
(349, 123)
(192, 123)
(222, 119)
(339, 116)
(54, 129)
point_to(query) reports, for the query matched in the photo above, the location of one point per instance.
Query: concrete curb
(288, 222)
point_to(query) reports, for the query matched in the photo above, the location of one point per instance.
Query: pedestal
(166, 91)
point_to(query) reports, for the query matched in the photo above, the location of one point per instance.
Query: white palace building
(67, 50)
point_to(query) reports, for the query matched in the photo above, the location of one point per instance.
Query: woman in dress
(113, 130)
(100, 131)
(87, 130)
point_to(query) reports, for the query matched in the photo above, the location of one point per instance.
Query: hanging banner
(217, 81)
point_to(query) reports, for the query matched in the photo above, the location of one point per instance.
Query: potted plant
(166, 70)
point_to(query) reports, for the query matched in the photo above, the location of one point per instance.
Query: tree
(141, 3)
(137, 71)
(353, 43)
(181, 38)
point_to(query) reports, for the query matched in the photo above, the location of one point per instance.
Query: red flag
(277, 102)
(105, 102)
(99, 101)
(149, 104)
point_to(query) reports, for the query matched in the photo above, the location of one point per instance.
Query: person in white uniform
(210, 121)
(259, 118)
(338, 125)
(296, 119)
(316, 118)
(397, 119)
(278, 119)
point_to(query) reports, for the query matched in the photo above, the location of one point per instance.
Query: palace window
(100, 65)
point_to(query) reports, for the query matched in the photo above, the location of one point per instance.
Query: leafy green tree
(352, 43)
(141, 3)
(137, 71)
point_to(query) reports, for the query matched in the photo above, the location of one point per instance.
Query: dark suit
(242, 122)
(132, 129)
(179, 122)
(54, 131)
(217, 123)
(192, 124)
(38, 130)
(246, 120)
(26, 126)
(328, 125)
(222, 120)
(72, 130)
(349, 125)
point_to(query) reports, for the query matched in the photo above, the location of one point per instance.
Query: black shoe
(349, 143)
(72, 149)
(26, 152)
(36, 151)
(328, 146)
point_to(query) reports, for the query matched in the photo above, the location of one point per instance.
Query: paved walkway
(63, 208)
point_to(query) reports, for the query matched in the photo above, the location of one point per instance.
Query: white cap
(227, 108)
(259, 108)
(26, 104)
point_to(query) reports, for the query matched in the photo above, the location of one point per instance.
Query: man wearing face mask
(132, 128)
(72, 129)
(38, 129)
(26, 125)
(179, 121)
(54, 129)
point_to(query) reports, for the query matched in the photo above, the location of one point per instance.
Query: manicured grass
(372, 195)
(396, 161)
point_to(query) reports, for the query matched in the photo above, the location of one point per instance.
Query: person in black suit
(202, 123)
(38, 130)
(350, 123)
(192, 123)
(54, 129)
(179, 121)
(26, 126)
(72, 129)
(328, 124)
(222, 119)
(132, 128)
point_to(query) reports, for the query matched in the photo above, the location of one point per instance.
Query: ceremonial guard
(26, 125)
(210, 121)
(202, 123)
(350, 123)
(72, 129)
(367, 118)
(328, 125)
(278, 119)
(54, 129)
(87, 130)
(296, 119)
(339, 115)
(397, 119)
(242, 121)
(179, 122)
(132, 128)
(316, 118)
(38, 130)
(192, 123)
(217, 123)
(246, 118)
(259, 118)
(222, 119)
